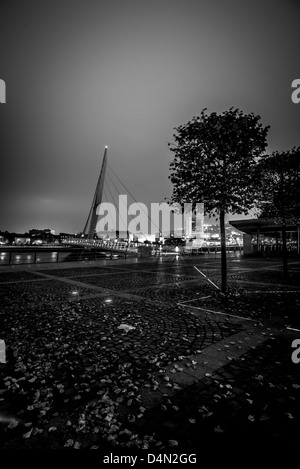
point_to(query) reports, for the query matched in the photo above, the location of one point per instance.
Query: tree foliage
(214, 162)
(280, 186)
(280, 191)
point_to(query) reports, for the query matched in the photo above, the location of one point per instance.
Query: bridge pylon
(90, 226)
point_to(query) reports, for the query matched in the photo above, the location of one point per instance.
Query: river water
(18, 256)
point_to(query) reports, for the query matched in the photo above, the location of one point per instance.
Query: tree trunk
(223, 252)
(284, 251)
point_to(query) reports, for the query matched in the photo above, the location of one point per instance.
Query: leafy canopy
(280, 186)
(215, 158)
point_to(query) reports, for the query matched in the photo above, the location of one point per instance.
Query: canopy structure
(259, 228)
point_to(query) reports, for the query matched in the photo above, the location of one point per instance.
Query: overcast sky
(82, 74)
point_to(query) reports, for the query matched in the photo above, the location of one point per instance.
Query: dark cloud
(82, 75)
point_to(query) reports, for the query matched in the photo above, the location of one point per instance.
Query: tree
(280, 191)
(215, 157)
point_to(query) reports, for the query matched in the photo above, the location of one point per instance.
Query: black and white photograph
(149, 232)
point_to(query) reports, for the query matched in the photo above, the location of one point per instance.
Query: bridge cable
(114, 202)
(105, 195)
(114, 199)
(133, 197)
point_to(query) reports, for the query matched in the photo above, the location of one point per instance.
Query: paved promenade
(147, 354)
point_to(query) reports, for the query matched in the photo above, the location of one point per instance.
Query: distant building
(39, 236)
(38, 232)
(66, 235)
(21, 239)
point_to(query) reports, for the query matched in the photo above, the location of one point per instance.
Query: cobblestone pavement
(72, 272)
(15, 276)
(131, 280)
(253, 402)
(149, 355)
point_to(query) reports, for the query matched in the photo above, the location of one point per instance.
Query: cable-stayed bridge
(109, 187)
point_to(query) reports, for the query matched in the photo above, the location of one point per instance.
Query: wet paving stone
(269, 277)
(15, 276)
(131, 280)
(72, 272)
(62, 346)
(176, 293)
(30, 293)
(261, 305)
(250, 406)
(79, 366)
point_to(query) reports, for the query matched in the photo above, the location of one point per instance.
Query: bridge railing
(133, 247)
(106, 245)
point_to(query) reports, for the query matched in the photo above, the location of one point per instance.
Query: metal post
(34, 260)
